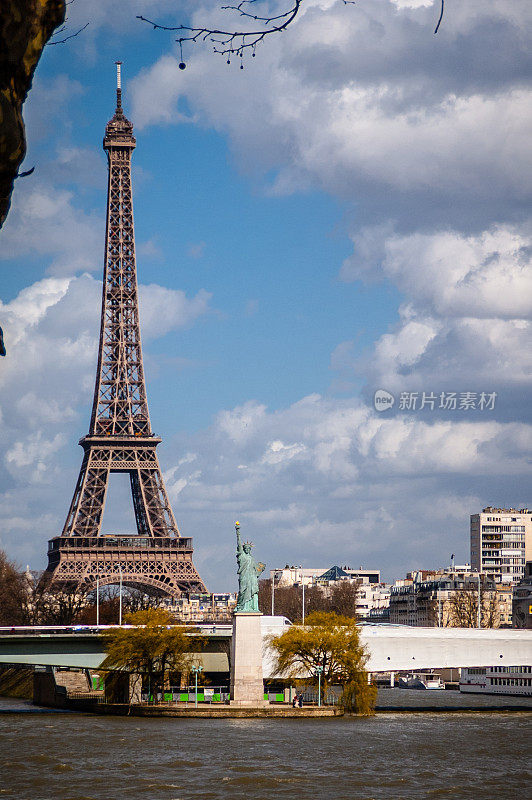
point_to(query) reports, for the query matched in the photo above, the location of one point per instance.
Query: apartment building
(501, 543)
(522, 600)
(449, 598)
(202, 607)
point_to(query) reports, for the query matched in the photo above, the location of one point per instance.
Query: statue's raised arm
(248, 575)
(238, 540)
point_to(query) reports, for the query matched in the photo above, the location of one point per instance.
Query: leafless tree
(463, 607)
(57, 605)
(289, 600)
(13, 593)
(343, 598)
(340, 598)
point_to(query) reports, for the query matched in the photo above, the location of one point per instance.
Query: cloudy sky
(348, 213)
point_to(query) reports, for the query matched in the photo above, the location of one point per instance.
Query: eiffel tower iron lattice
(156, 559)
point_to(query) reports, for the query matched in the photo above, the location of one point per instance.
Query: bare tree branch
(441, 17)
(236, 42)
(72, 35)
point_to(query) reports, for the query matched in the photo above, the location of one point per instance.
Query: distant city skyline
(346, 216)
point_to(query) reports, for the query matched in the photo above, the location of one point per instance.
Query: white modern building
(501, 543)
(296, 576)
(372, 593)
(311, 576)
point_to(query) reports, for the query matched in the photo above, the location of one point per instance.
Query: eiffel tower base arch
(163, 569)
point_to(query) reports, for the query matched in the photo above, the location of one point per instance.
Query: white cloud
(467, 316)
(328, 479)
(44, 222)
(163, 310)
(451, 274)
(155, 93)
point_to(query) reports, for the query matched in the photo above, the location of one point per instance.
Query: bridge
(390, 647)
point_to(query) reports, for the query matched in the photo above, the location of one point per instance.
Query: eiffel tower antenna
(155, 558)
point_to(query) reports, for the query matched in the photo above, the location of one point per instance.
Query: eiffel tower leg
(148, 492)
(86, 509)
(139, 504)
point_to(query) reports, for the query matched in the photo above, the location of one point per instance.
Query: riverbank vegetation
(155, 650)
(328, 648)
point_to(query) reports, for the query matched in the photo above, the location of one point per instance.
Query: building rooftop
(493, 510)
(333, 574)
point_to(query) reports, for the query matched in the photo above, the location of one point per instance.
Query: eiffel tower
(155, 559)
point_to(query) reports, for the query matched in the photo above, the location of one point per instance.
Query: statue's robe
(248, 582)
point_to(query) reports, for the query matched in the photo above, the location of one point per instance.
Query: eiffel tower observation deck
(155, 558)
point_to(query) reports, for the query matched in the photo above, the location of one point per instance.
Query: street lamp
(273, 593)
(120, 598)
(97, 599)
(319, 670)
(196, 670)
(303, 589)
(478, 602)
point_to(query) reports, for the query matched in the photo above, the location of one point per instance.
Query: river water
(399, 756)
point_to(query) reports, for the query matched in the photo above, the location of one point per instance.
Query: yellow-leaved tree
(153, 649)
(330, 644)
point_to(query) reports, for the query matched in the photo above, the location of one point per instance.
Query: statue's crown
(250, 543)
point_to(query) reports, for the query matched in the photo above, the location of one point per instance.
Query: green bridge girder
(86, 650)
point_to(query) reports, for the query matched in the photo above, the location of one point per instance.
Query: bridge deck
(390, 647)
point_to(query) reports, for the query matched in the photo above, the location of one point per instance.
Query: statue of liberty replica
(247, 685)
(248, 575)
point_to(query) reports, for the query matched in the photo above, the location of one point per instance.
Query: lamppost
(273, 593)
(196, 670)
(319, 670)
(97, 600)
(120, 597)
(303, 590)
(478, 602)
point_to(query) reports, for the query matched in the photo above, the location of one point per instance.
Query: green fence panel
(168, 697)
(183, 696)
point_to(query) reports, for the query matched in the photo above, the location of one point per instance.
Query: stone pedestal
(247, 686)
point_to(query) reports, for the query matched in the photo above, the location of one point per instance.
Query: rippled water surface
(80, 757)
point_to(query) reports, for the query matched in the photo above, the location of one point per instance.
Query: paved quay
(204, 712)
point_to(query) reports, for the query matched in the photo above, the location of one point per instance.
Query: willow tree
(152, 649)
(328, 645)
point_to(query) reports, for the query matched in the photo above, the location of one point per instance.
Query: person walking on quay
(294, 701)
(300, 701)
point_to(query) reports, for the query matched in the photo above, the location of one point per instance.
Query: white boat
(515, 681)
(421, 680)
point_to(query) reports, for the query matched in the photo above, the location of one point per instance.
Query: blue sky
(347, 213)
